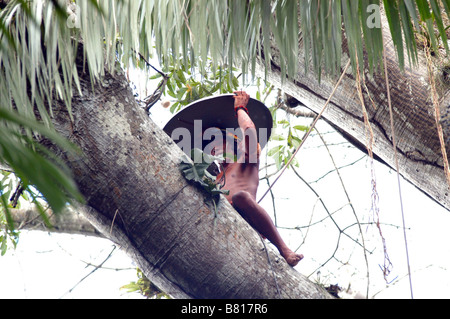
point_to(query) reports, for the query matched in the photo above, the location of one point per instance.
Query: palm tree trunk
(136, 196)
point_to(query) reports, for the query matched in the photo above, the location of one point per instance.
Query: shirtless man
(242, 179)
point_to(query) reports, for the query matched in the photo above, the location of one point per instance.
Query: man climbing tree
(242, 179)
(238, 141)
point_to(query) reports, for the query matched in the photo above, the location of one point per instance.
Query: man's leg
(258, 218)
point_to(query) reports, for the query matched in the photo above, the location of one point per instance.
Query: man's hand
(240, 101)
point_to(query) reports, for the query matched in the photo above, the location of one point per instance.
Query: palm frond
(37, 64)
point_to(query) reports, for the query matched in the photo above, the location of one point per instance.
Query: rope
(394, 145)
(308, 132)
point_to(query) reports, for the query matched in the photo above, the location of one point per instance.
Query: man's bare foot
(292, 258)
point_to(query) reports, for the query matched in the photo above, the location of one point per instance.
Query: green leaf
(439, 23)
(195, 171)
(175, 107)
(277, 137)
(34, 164)
(393, 18)
(38, 128)
(275, 150)
(155, 76)
(408, 31)
(4, 204)
(278, 161)
(3, 245)
(296, 141)
(131, 287)
(427, 17)
(284, 122)
(302, 128)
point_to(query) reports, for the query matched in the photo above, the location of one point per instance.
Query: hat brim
(218, 111)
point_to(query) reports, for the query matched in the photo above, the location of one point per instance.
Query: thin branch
(309, 225)
(69, 222)
(94, 270)
(296, 112)
(338, 168)
(273, 204)
(326, 209)
(351, 206)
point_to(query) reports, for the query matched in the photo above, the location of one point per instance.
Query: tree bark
(419, 149)
(136, 196)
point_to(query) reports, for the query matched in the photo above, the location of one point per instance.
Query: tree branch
(70, 221)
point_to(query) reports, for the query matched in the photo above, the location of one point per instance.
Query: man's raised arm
(247, 126)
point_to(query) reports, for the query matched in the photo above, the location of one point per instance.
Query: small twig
(15, 197)
(273, 204)
(308, 227)
(340, 167)
(94, 270)
(154, 97)
(112, 223)
(341, 231)
(149, 64)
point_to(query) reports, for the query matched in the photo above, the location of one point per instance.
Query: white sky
(50, 265)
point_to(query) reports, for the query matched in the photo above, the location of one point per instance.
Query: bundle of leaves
(195, 169)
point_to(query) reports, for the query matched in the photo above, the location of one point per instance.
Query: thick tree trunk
(419, 150)
(136, 196)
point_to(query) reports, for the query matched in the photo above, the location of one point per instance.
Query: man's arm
(247, 126)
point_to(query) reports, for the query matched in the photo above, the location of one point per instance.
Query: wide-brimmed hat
(218, 111)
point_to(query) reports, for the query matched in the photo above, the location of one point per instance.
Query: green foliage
(289, 141)
(186, 84)
(31, 77)
(145, 287)
(33, 163)
(231, 33)
(236, 32)
(207, 33)
(35, 166)
(195, 169)
(264, 89)
(14, 193)
(8, 233)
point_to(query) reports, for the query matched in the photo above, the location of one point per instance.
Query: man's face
(221, 144)
(222, 148)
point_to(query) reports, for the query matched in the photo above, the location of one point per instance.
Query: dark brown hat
(218, 111)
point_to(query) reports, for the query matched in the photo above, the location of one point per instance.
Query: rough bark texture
(420, 157)
(136, 196)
